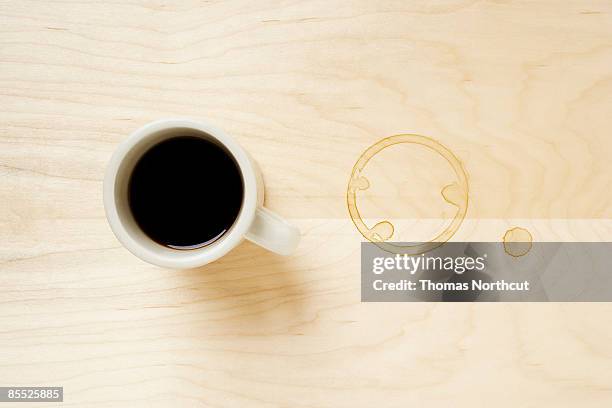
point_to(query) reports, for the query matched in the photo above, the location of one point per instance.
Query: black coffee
(185, 192)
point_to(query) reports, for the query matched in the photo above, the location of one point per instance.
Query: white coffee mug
(254, 222)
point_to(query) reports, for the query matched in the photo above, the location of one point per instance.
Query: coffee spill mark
(361, 183)
(517, 242)
(456, 194)
(453, 194)
(382, 231)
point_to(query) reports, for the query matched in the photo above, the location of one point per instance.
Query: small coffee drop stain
(361, 183)
(517, 241)
(382, 231)
(453, 194)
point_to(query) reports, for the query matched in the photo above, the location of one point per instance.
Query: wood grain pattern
(519, 90)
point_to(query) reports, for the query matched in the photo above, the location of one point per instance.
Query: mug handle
(273, 233)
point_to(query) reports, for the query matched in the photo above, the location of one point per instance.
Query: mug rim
(180, 258)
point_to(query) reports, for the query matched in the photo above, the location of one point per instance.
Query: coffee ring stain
(456, 194)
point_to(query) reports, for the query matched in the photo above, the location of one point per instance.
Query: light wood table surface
(520, 91)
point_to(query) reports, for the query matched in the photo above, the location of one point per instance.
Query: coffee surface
(185, 192)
